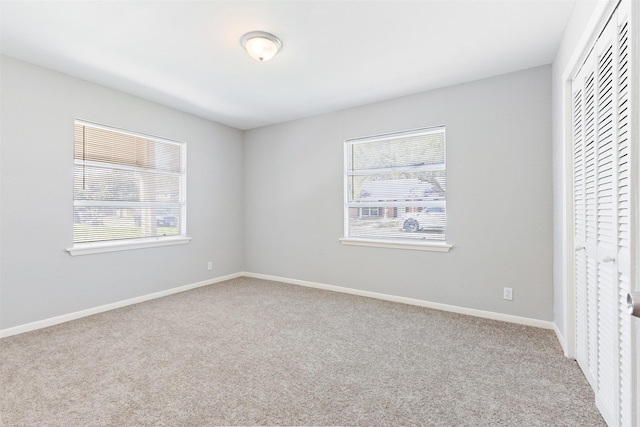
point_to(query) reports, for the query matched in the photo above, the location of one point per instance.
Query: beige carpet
(253, 352)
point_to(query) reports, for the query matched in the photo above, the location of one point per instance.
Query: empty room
(308, 212)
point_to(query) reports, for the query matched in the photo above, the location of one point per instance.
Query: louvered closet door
(579, 224)
(606, 209)
(602, 186)
(584, 165)
(622, 64)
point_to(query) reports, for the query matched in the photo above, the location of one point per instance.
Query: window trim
(87, 248)
(431, 245)
(126, 245)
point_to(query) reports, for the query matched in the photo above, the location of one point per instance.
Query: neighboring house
(411, 189)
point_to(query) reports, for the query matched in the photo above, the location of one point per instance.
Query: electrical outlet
(210, 265)
(508, 294)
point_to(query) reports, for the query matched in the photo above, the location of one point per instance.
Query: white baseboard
(411, 301)
(100, 309)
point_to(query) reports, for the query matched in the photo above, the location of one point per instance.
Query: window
(128, 188)
(395, 190)
(367, 211)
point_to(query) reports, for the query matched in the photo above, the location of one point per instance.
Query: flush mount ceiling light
(260, 45)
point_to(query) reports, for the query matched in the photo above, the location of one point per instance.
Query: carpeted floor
(254, 352)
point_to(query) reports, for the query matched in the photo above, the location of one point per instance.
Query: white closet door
(606, 209)
(591, 237)
(585, 227)
(583, 195)
(623, 125)
(603, 230)
(579, 223)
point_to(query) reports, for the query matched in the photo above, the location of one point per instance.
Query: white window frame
(147, 242)
(422, 245)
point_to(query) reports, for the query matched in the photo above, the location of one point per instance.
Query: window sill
(416, 246)
(96, 248)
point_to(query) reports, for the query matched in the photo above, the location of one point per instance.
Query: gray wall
(273, 204)
(499, 198)
(38, 279)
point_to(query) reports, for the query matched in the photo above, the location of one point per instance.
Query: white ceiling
(336, 54)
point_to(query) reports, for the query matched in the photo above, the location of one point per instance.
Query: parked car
(167, 221)
(432, 219)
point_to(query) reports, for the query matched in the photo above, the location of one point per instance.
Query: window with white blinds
(395, 187)
(126, 186)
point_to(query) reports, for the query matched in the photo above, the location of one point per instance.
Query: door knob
(607, 259)
(633, 303)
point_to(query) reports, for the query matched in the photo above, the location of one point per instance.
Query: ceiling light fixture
(260, 45)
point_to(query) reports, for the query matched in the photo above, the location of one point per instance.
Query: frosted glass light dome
(260, 45)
